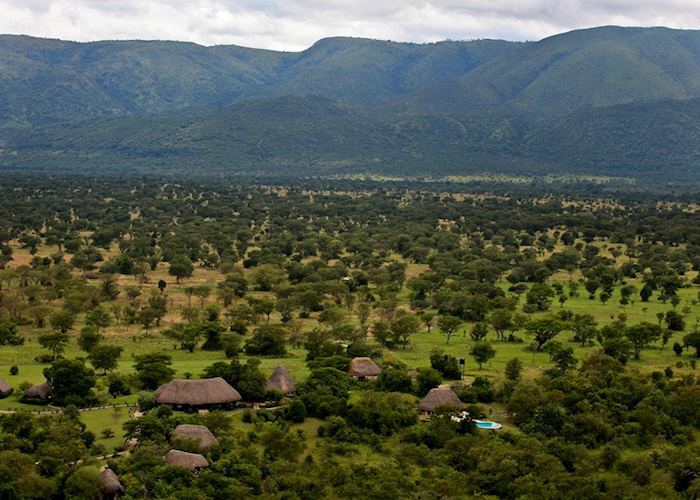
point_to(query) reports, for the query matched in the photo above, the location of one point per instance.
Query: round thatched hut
(39, 394)
(5, 388)
(199, 433)
(111, 487)
(437, 397)
(364, 368)
(281, 380)
(204, 393)
(190, 461)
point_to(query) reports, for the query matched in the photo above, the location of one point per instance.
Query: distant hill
(604, 101)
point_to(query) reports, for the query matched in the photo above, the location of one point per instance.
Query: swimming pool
(486, 424)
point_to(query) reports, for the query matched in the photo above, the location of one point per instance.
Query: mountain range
(605, 101)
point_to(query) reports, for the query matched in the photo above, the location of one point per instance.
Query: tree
(162, 284)
(501, 320)
(428, 319)
(544, 329)
(540, 295)
(394, 381)
(514, 368)
(447, 365)
(89, 338)
(211, 331)
(479, 332)
(692, 340)
(71, 381)
(427, 379)
(646, 292)
(404, 325)
(105, 357)
(564, 359)
(55, 342)
(98, 317)
(86, 482)
(267, 340)
(62, 320)
(186, 336)
(675, 321)
(482, 352)
(246, 378)
(153, 369)
(202, 291)
(9, 334)
(642, 335)
(158, 305)
(449, 325)
(584, 328)
(180, 267)
(381, 332)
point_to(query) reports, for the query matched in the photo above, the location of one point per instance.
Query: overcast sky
(296, 24)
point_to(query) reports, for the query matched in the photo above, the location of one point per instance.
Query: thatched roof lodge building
(364, 368)
(5, 388)
(281, 380)
(437, 397)
(39, 394)
(204, 393)
(198, 433)
(111, 487)
(191, 461)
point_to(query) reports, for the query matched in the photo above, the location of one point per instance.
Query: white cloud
(296, 24)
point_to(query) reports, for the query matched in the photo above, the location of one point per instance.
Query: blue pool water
(485, 424)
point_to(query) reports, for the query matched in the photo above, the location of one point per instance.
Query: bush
(267, 340)
(394, 381)
(447, 365)
(14, 370)
(146, 401)
(427, 379)
(117, 386)
(295, 412)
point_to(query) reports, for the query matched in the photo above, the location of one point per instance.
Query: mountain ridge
(354, 104)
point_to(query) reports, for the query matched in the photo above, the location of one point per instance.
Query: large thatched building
(204, 393)
(111, 487)
(281, 380)
(198, 433)
(363, 368)
(191, 461)
(5, 388)
(38, 394)
(437, 397)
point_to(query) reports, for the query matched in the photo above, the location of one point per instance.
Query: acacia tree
(403, 326)
(544, 329)
(55, 342)
(642, 335)
(181, 267)
(449, 325)
(482, 352)
(105, 357)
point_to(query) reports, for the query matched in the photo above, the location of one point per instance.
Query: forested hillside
(607, 102)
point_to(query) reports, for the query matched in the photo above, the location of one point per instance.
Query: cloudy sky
(296, 24)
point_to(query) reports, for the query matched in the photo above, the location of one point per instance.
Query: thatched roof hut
(281, 380)
(363, 368)
(439, 396)
(191, 461)
(39, 393)
(111, 487)
(204, 392)
(5, 388)
(200, 433)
